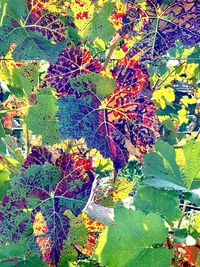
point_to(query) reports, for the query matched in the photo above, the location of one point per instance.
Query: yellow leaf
(118, 54)
(164, 95)
(185, 100)
(83, 12)
(197, 222)
(122, 189)
(39, 225)
(163, 118)
(182, 116)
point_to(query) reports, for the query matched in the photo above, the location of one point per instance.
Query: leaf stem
(183, 213)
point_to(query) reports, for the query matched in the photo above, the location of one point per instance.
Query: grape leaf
(162, 26)
(120, 126)
(87, 83)
(2, 130)
(38, 155)
(132, 75)
(41, 117)
(162, 171)
(38, 6)
(161, 168)
(51, 190)
(161, 202)
(22, 80)
(195, 55)
(17, 255)
(97, 24)
(191, 168)
(192, 198)
(4, 180)
(138, 242)
(72, 62)
(33, 36)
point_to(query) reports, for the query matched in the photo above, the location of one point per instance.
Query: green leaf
(17, 255)
(193, 232)
(161, 168)
(135, 240)
(41, 118)
(24, 79)
(105, 86)
(19, 26)
(2, 131)
(162, 202)
(35, 46)
(100, 26)
(180, 235)
(192, 197)
(4, 180)
(102, 86)
(191, 168)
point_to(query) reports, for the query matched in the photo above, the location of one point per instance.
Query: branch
(113, 44)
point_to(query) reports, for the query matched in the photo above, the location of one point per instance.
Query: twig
(113, 44)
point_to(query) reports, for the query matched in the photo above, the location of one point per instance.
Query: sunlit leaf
(137, 242)
(162, 202)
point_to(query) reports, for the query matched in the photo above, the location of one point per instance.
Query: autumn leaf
(50, 189)
(123, 124)
(156, 27)
(72, 62)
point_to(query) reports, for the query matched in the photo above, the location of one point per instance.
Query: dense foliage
(99, 133)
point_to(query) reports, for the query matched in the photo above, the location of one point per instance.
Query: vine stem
(113, 44)
(183, 213)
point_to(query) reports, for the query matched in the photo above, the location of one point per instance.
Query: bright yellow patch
(182, 116)
(122, 189)
(164, 95)
(180, 158)
(185, 100)
(39, 225)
